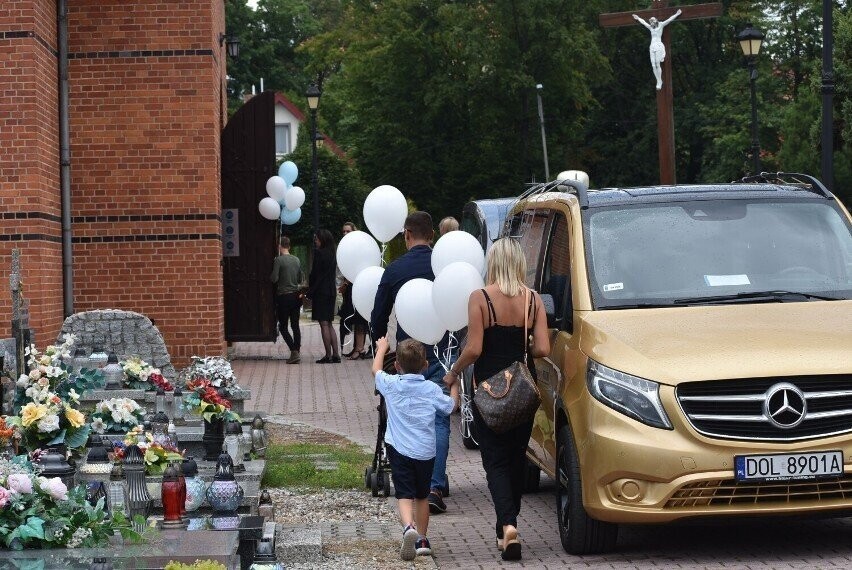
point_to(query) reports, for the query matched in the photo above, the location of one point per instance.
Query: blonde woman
(495, 339)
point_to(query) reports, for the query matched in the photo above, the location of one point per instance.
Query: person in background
(416, 263)
(412, 405)
(496, 338)
(350, 319)
(448, 224)
(323, 293)
(288, 277)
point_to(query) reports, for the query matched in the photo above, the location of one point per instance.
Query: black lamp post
(827, 94)
(750, 41)
(233, 44)
(313, 94)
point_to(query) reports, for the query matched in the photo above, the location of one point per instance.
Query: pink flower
(5, 495)
(20, 483)
(54, 487)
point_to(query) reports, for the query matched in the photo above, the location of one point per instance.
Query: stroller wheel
(387, 484)
(374, 483)
(367, 472)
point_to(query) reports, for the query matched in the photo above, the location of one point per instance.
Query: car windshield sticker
(613, 287)
(723, 280)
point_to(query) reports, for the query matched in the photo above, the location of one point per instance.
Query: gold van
(702, 351)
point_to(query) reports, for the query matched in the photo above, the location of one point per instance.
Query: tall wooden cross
(661, 10)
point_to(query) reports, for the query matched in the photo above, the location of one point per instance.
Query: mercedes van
(702, 351)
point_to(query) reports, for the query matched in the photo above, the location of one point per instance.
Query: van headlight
(630, 395)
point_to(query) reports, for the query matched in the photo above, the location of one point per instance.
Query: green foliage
(292, 465)
(437, 97)
(341, 193)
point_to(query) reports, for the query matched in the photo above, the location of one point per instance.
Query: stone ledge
(299, 544)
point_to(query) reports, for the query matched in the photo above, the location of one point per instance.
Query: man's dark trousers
(288, 306)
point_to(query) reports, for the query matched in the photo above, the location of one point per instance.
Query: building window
(282, 139)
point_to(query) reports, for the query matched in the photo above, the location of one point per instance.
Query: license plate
(785, 467)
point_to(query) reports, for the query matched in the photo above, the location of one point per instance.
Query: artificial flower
(5, 495)
(53, 487)
(20, 483)
(48, 423)
(31, 413)
(75, 417)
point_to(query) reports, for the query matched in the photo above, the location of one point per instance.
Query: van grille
(727, 492)
(734, 409)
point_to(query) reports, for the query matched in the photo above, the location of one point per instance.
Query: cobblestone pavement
(340, 398)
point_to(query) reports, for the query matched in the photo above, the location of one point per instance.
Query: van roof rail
(805, 181)
(578, 187)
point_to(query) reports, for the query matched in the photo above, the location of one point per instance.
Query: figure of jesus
(657, 50)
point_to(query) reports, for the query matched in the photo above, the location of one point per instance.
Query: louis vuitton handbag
(510, 397)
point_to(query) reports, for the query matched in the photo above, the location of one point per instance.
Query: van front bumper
(633, 473)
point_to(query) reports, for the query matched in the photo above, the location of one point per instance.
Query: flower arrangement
(117, 415)
(47, 399)
(139, 375)
(157, 454)
(9, 437)
(37, 512)
(204, 400)
(216, 370)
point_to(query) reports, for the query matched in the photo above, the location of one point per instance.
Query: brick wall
(29, 161)
(146, 108)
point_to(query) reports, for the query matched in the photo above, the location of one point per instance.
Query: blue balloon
(290, 217)
(288, 171)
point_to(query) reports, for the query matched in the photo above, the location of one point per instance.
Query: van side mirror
(549, 310)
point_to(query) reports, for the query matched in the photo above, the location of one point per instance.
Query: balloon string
(348, 332)
(382, 254)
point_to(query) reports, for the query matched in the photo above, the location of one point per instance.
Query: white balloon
(451, 291)
(416, 314)
(294, 198)
(276, 187)
(385, 210)
(356, 251)
(269, 208)
(364, 289)
(457, 246)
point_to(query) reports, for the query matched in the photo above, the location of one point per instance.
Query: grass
(294, 465)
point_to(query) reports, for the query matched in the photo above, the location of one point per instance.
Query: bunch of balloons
(285, 200)
(358, 255)
(426, 310)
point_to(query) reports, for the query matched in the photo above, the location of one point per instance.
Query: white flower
(74, 395)
(98, 425)
(116, 417)
(55, 372)
(45, 359)
(35, 374)
(48, 423)
(23, 381)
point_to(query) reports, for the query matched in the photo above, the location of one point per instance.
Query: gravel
(350, 510)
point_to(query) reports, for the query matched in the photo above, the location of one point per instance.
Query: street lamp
(538, 89)
(233, 44)
(313, 94)
(750, 41)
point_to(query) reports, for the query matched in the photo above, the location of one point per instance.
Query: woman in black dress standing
(496, 338)
(323, 293)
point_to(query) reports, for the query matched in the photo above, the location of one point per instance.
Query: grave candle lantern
(195, 485)
(98, 358)
(116, 489)
(172, 498)
(136, 497)
(178, 411)
(233, 431)
(258, 436)
(113, 373)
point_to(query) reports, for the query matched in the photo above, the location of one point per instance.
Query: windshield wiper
(758, 296)
(637, 306)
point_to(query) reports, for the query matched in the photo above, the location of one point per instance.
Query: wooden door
(249, 240)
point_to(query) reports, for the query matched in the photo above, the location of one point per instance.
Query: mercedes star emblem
(785, 405)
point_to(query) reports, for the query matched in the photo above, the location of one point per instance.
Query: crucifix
(655, 19)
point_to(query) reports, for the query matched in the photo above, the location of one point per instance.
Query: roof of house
(281, 99)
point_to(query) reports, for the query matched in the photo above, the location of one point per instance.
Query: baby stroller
(377, 476)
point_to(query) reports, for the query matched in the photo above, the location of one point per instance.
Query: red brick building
(146, 107)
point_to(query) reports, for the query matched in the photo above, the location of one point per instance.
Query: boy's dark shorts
(411, 477)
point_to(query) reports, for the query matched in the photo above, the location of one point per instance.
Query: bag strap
(492, 314)
(526, 322)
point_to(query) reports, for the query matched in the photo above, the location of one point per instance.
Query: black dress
(503, 455)
(321, 285)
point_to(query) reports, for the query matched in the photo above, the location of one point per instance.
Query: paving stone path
(340, 398)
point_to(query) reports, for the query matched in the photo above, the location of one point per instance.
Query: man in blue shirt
(416, 263)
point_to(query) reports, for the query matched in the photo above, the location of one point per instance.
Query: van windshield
(721, 251)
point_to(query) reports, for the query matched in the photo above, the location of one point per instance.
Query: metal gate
(249, 240)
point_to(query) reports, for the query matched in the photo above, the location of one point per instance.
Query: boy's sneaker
(423, 547)
(408, 550)
(295, 357)
(436, 502)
